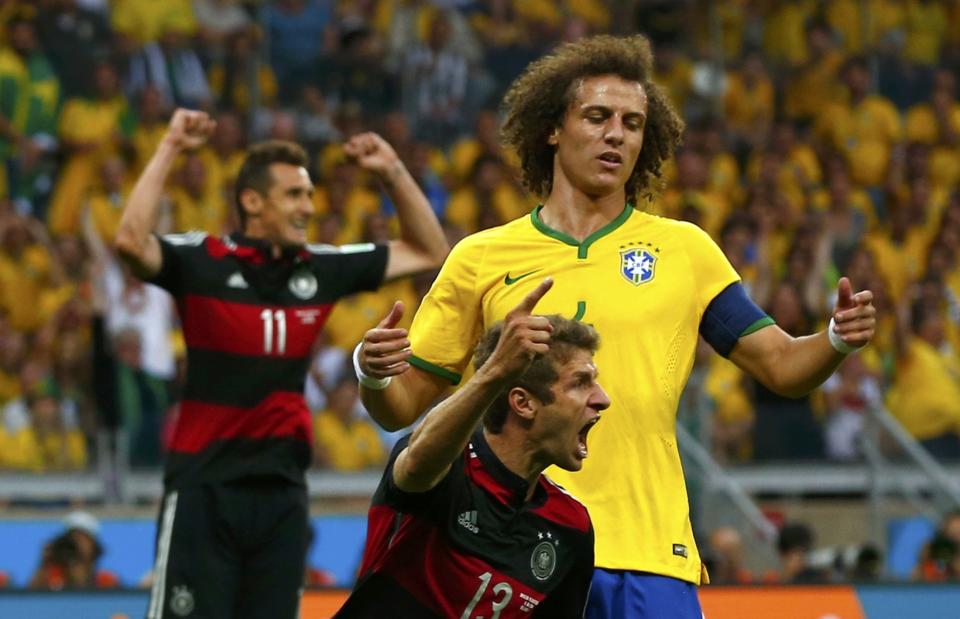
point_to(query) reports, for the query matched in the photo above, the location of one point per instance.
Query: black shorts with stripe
(230, 551)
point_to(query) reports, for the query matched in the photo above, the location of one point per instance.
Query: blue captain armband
(730, 316)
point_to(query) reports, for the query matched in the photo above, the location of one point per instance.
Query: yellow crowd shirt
(926, 393)
(644, 282)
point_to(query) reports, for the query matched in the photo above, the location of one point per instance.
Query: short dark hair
(568, 336)
(255, 171)
(538, 100)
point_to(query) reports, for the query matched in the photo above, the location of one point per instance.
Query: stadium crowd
(820, 140)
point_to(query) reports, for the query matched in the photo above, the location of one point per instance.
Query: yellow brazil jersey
(644, 282)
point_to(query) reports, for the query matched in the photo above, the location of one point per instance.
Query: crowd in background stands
(828, 144)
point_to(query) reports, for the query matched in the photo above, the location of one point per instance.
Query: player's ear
(523, 403)
(554, 137)
(251, 202)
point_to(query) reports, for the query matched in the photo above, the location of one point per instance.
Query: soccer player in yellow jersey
(592, 131)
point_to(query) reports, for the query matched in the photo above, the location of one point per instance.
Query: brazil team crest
(637, 265)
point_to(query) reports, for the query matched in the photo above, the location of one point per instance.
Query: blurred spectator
(171, 66)
(42, 431)
(940, 557)
(814, 79)
(865, 128)
(487, 200)
(850, 395)
(143, 22)
(238, 79)
(198, 204)
(344, 441)
(106, 200)
(329, 365)
(725, 552)
(357, 74)
(29, 100)
(786, 429)
(219, 19)
(794, 545)
(132, 304)
(69, 561)
(315, 124)
(222, 158)
(433, 85)
(90, 130)
(74, 39)
(30, 275)
(296, 31)
(868, 565)
(150, 128)
(749, 101)
(925, 395)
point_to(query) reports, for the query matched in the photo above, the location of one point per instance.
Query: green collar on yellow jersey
(587, 242)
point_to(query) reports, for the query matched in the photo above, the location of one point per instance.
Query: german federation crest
(637, 265)
(543, 560)
(303, 284)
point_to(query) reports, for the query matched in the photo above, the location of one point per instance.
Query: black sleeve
(569, 599)
(175, 251)
(429, 502)
(350, 268)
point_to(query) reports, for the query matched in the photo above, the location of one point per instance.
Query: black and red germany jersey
(250, 321)
(472, 547)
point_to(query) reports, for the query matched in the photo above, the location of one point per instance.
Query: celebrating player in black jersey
(233, 527)
(464, 524)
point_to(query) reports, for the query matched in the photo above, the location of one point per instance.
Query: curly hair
(538, 100)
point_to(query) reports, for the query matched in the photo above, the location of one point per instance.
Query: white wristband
(369, 382)
(838, 344)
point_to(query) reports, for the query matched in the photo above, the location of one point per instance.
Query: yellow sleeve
(449, 321)
(710, 266)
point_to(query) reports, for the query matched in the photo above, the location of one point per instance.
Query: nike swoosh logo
(509, 281)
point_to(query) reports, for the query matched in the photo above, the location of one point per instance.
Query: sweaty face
(560, 428)
(600, 139)
(287, 207)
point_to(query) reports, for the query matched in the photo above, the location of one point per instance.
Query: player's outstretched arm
(422, 245)
(137, 246)
(446, 429)
(793, 367)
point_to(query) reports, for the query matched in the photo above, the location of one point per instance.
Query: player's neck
(512, 451)
(578, 215)
(253, 231)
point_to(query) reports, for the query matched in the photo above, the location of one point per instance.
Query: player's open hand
(385, 348)
(854, 315)
(524, 335)
(372, 152)
(190, 129)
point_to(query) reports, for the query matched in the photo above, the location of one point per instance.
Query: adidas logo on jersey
(237, 281)
(468, 520)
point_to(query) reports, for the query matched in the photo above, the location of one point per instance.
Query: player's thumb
(391, 319)
(844, 294)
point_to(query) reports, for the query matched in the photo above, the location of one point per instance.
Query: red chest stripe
(283, 414)
(255, 330)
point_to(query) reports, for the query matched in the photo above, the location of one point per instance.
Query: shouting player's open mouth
(582, 437)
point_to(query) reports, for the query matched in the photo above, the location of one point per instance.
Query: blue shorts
(618, 594)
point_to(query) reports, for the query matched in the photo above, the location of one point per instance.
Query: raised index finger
(530, 301)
